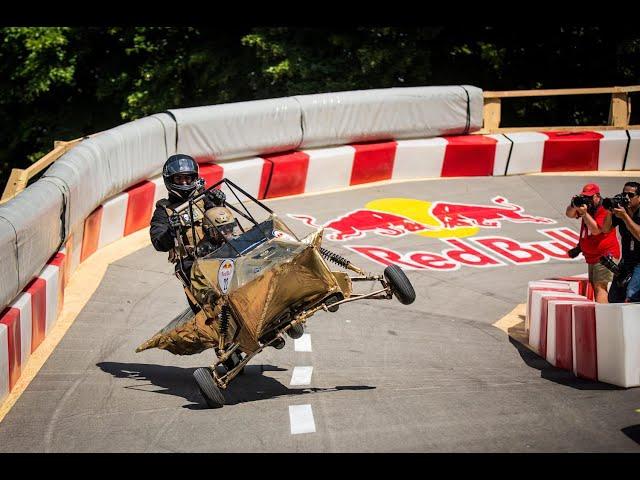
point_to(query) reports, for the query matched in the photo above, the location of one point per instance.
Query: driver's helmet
(180, 174)
(223, 219)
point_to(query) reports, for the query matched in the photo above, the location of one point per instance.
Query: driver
(218, 225)
(180, 175)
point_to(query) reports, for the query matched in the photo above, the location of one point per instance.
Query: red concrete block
(372, 162)
(11, 318)
(286, 175)
(570, 152)
(564, 339)
(91, 235)
(38, 290)
(139, 206)
(469, 156)
(211, 173)
(584, 346)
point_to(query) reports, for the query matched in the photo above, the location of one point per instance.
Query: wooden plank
(559, 91)
(620, 110)
(16, 183)
(491, 114)
(20, 178)
(484, 131)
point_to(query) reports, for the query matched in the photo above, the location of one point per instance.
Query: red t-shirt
(595, 246)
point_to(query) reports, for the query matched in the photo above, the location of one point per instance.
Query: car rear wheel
(400, 285)
(208, 388)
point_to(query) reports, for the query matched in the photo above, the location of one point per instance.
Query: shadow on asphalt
(633, 432)
(178, 381)
(557, 375)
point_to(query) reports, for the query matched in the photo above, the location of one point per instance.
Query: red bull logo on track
(450, 222)
(394, 217)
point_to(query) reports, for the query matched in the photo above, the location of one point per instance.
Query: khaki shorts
(599, 274)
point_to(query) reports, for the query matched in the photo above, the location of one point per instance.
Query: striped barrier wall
(598, 342)
(309, 171)
(25, 323)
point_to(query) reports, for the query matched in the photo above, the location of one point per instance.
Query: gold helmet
(223, 219)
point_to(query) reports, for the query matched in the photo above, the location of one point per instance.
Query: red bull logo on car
(394, 217)
(451, 222)
(225, 274)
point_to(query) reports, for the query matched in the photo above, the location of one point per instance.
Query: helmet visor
(181, 165)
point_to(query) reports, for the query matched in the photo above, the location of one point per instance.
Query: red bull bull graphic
(357, 223)
(453, 215)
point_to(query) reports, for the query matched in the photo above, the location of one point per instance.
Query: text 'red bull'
(500, 251)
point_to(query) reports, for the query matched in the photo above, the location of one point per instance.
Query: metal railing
(619, 116)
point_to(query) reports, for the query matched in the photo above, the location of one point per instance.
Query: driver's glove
(174, 222)
(217, 197)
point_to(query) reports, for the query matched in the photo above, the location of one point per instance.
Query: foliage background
(59, 83)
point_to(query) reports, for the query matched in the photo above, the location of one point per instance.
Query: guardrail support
(620, 110)
(491, 114)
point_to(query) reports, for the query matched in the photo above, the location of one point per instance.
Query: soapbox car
(258, 286)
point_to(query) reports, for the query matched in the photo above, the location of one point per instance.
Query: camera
(622, 274)
(607, 261)
(574, 252)
(617, 201)
(580, 200)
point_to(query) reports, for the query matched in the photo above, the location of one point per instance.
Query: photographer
(625, 214)
(594, 242)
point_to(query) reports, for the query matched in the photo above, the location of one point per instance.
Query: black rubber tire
(296, 331)
(208, 388)
(400, 284)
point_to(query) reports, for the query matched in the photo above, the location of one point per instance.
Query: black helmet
(184, 165)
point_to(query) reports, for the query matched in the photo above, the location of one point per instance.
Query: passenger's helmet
(223, 219)
(180, 173)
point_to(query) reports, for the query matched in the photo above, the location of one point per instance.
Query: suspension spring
(224, 320)
(334, 257)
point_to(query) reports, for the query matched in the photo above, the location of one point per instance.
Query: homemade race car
(257, 286)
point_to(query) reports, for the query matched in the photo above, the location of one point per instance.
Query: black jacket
(160, 231)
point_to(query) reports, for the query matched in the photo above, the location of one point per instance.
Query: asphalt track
(434, 376)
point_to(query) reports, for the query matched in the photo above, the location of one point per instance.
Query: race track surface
(434, 376)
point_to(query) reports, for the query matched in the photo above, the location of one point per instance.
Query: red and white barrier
(585, 359)
(25, 323)
(534, 152)
(538, 286)
(633, 155)
(539, 315)
(557, 340)
(5, 386)
(618, 343)
(599, 342)
(580, 284)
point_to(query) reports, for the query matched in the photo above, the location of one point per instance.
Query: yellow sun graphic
(418, 211)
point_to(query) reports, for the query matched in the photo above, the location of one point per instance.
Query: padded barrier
(9, 283)
(35, 214)
(243, 129)
(392, 113)
(106, 164)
